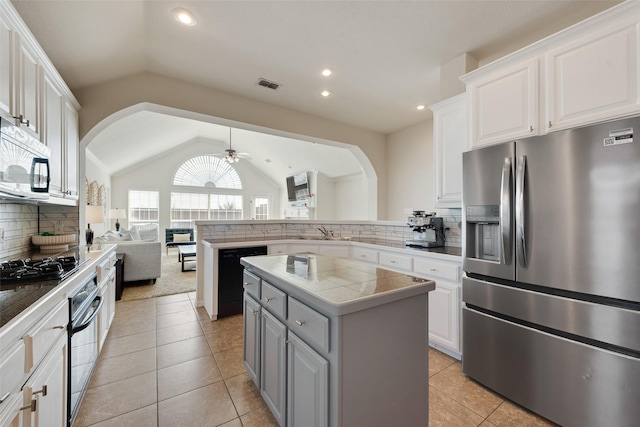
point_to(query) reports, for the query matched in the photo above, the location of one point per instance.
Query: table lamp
(117, 214)
(94, 215)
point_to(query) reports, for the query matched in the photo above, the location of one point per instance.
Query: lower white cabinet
(307, 385)
(444, 316)
(46, 390)
(107, 290)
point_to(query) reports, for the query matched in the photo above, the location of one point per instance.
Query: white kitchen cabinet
(449, 142)
(503, 105)
(584, 74)
(445, 302)
(299, 247)
(273, 359)
(338, 251)
(60, 134)
(107, 290)
(72, 144)
(28, 75)
(444, 316)
(307, 385)
(48, 388)
(52, 135)
(594, 77)
(396, 260)
(364, 254)
(11, 413)
(278, 249)
(6, 66)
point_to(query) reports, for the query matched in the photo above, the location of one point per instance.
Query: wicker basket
(59, 242)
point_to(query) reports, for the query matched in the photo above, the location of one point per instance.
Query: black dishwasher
(230, 270)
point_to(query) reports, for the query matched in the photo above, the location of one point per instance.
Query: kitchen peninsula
(332, 341)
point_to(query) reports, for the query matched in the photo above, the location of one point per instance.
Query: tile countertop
(334, 285)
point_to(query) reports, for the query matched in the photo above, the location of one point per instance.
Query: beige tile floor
(165, 364)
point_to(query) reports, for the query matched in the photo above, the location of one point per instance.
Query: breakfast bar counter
(336, 342)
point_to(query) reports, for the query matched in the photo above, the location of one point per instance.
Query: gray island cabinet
(336, 342)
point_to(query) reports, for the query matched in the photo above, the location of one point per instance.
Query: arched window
(207, 171)
(216, 193)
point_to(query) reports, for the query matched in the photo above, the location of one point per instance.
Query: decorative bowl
(55, 243)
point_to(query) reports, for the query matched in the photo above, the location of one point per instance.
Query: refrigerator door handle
(505, 212)
(520, 217)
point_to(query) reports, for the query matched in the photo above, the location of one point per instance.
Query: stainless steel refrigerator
(551, 291)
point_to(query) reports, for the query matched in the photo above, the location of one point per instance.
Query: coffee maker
(428, 230)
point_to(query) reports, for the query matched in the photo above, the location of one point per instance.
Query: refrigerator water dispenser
(483, 227)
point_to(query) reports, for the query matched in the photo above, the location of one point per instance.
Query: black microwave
(24, 165)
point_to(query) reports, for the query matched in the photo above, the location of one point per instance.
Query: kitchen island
(336, 342)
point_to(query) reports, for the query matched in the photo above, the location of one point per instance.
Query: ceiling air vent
(269, 84)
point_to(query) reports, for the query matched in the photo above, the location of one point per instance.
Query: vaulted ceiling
(385, 55)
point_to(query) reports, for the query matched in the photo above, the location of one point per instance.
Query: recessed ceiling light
(420, 107)
(326, 93)
(327, 72)
(184, 16)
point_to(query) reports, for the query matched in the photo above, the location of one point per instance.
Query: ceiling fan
(231, 155)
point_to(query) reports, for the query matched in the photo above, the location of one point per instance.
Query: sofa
(142, 251)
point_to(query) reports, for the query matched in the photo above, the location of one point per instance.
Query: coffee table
(186, 251)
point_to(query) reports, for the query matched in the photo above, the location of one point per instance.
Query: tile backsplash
(19, 222)
(370, 230)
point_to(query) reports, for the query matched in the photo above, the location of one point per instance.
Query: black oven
(84, 307)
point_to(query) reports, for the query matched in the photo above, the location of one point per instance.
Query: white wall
(349, 197)
(104, 100)
(410, 164)
(157, 174)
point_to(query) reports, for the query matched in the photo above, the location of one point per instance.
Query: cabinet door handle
(300, 323)
(530, 128)
(393, 261)
(550, 123)
(255, 312)
(59, 327)
(33, 406)
(5, 397)
(267, 299)
(43, 391)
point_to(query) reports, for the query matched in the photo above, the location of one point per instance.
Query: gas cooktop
(27, 278)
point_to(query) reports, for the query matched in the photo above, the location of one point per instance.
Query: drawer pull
(255, 312)
(43, 391)
(59, 327)
(5, 397)
(363, 256)
(33, 406)
(267, 299)
(300, 323)
(247, 283)
(393, 261)
(433, 269)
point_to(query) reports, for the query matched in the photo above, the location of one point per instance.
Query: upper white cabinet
(594, 77)
(449, 141)
(6, 67)
(504, 105)
(28, 86)
(34, 94)
(585, 74)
